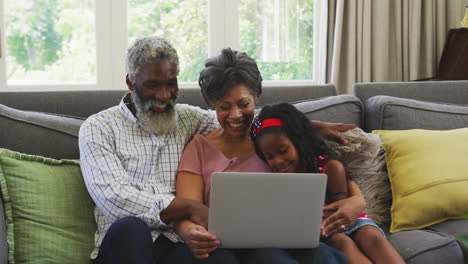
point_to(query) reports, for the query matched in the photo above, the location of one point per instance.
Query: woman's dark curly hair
(297, 128)
(226, 70)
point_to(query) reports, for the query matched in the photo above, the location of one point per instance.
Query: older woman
(230, 84)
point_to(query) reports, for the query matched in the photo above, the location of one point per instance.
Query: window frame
(112, 37)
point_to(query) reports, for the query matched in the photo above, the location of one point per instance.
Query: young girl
(284, 138)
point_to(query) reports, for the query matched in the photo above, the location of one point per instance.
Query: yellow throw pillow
(428, 172)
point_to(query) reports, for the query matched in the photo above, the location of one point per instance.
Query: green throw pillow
(48, 209)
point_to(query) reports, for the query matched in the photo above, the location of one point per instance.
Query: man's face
(153, 96)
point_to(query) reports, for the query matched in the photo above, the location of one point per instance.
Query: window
(49, 41)
(278, 35)
(81, 44)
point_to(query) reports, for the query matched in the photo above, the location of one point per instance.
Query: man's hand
(200, 242)
(199, 214)
(181, 208)
(330, 130)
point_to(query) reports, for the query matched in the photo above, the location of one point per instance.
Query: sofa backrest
(442, 92)
(394, 113)
(452, 92)
(83, 103)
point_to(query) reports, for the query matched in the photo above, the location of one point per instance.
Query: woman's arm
(344, 212)
(190, 186)
(201, 243)
(330, 130)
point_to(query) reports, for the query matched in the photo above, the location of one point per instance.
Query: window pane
(278, 34)
(50, 41)
(182, 22)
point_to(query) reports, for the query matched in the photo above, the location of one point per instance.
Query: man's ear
(129, 83)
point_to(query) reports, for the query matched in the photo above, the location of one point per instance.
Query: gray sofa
(47, 123)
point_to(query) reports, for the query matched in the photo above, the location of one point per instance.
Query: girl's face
(280, 153)
(235, 111)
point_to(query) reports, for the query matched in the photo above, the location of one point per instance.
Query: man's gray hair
(149, 50)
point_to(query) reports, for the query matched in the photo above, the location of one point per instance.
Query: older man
(129, 157)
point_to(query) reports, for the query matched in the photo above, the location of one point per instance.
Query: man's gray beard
(158, 123)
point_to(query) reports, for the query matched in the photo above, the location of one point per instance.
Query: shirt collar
(123, 108)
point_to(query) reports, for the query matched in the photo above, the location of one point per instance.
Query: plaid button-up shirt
(130, 171)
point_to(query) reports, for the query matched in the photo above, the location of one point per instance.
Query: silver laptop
(257, 210)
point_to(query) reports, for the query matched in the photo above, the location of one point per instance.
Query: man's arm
(111, 187)
(203, 121)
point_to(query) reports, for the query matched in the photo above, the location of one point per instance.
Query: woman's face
(280, 153)
(235, 111)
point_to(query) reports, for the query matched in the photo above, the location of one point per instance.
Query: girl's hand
(199, 241)
(342, 213)
(330, 130)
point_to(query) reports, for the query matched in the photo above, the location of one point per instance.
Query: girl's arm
(354, 190)
(200, 242)
(345, 212)
(337, 185)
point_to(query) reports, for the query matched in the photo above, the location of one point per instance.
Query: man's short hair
(149, 50)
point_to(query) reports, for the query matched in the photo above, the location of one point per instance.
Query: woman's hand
(343, 213)
(330, 130)
(200, 242)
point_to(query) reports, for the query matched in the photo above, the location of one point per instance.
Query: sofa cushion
(426, 246)
(48, 209)
(428, 184)
(336, 109)
(393, 113)
(38, 133)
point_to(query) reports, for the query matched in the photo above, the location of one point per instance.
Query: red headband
(258, 124)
